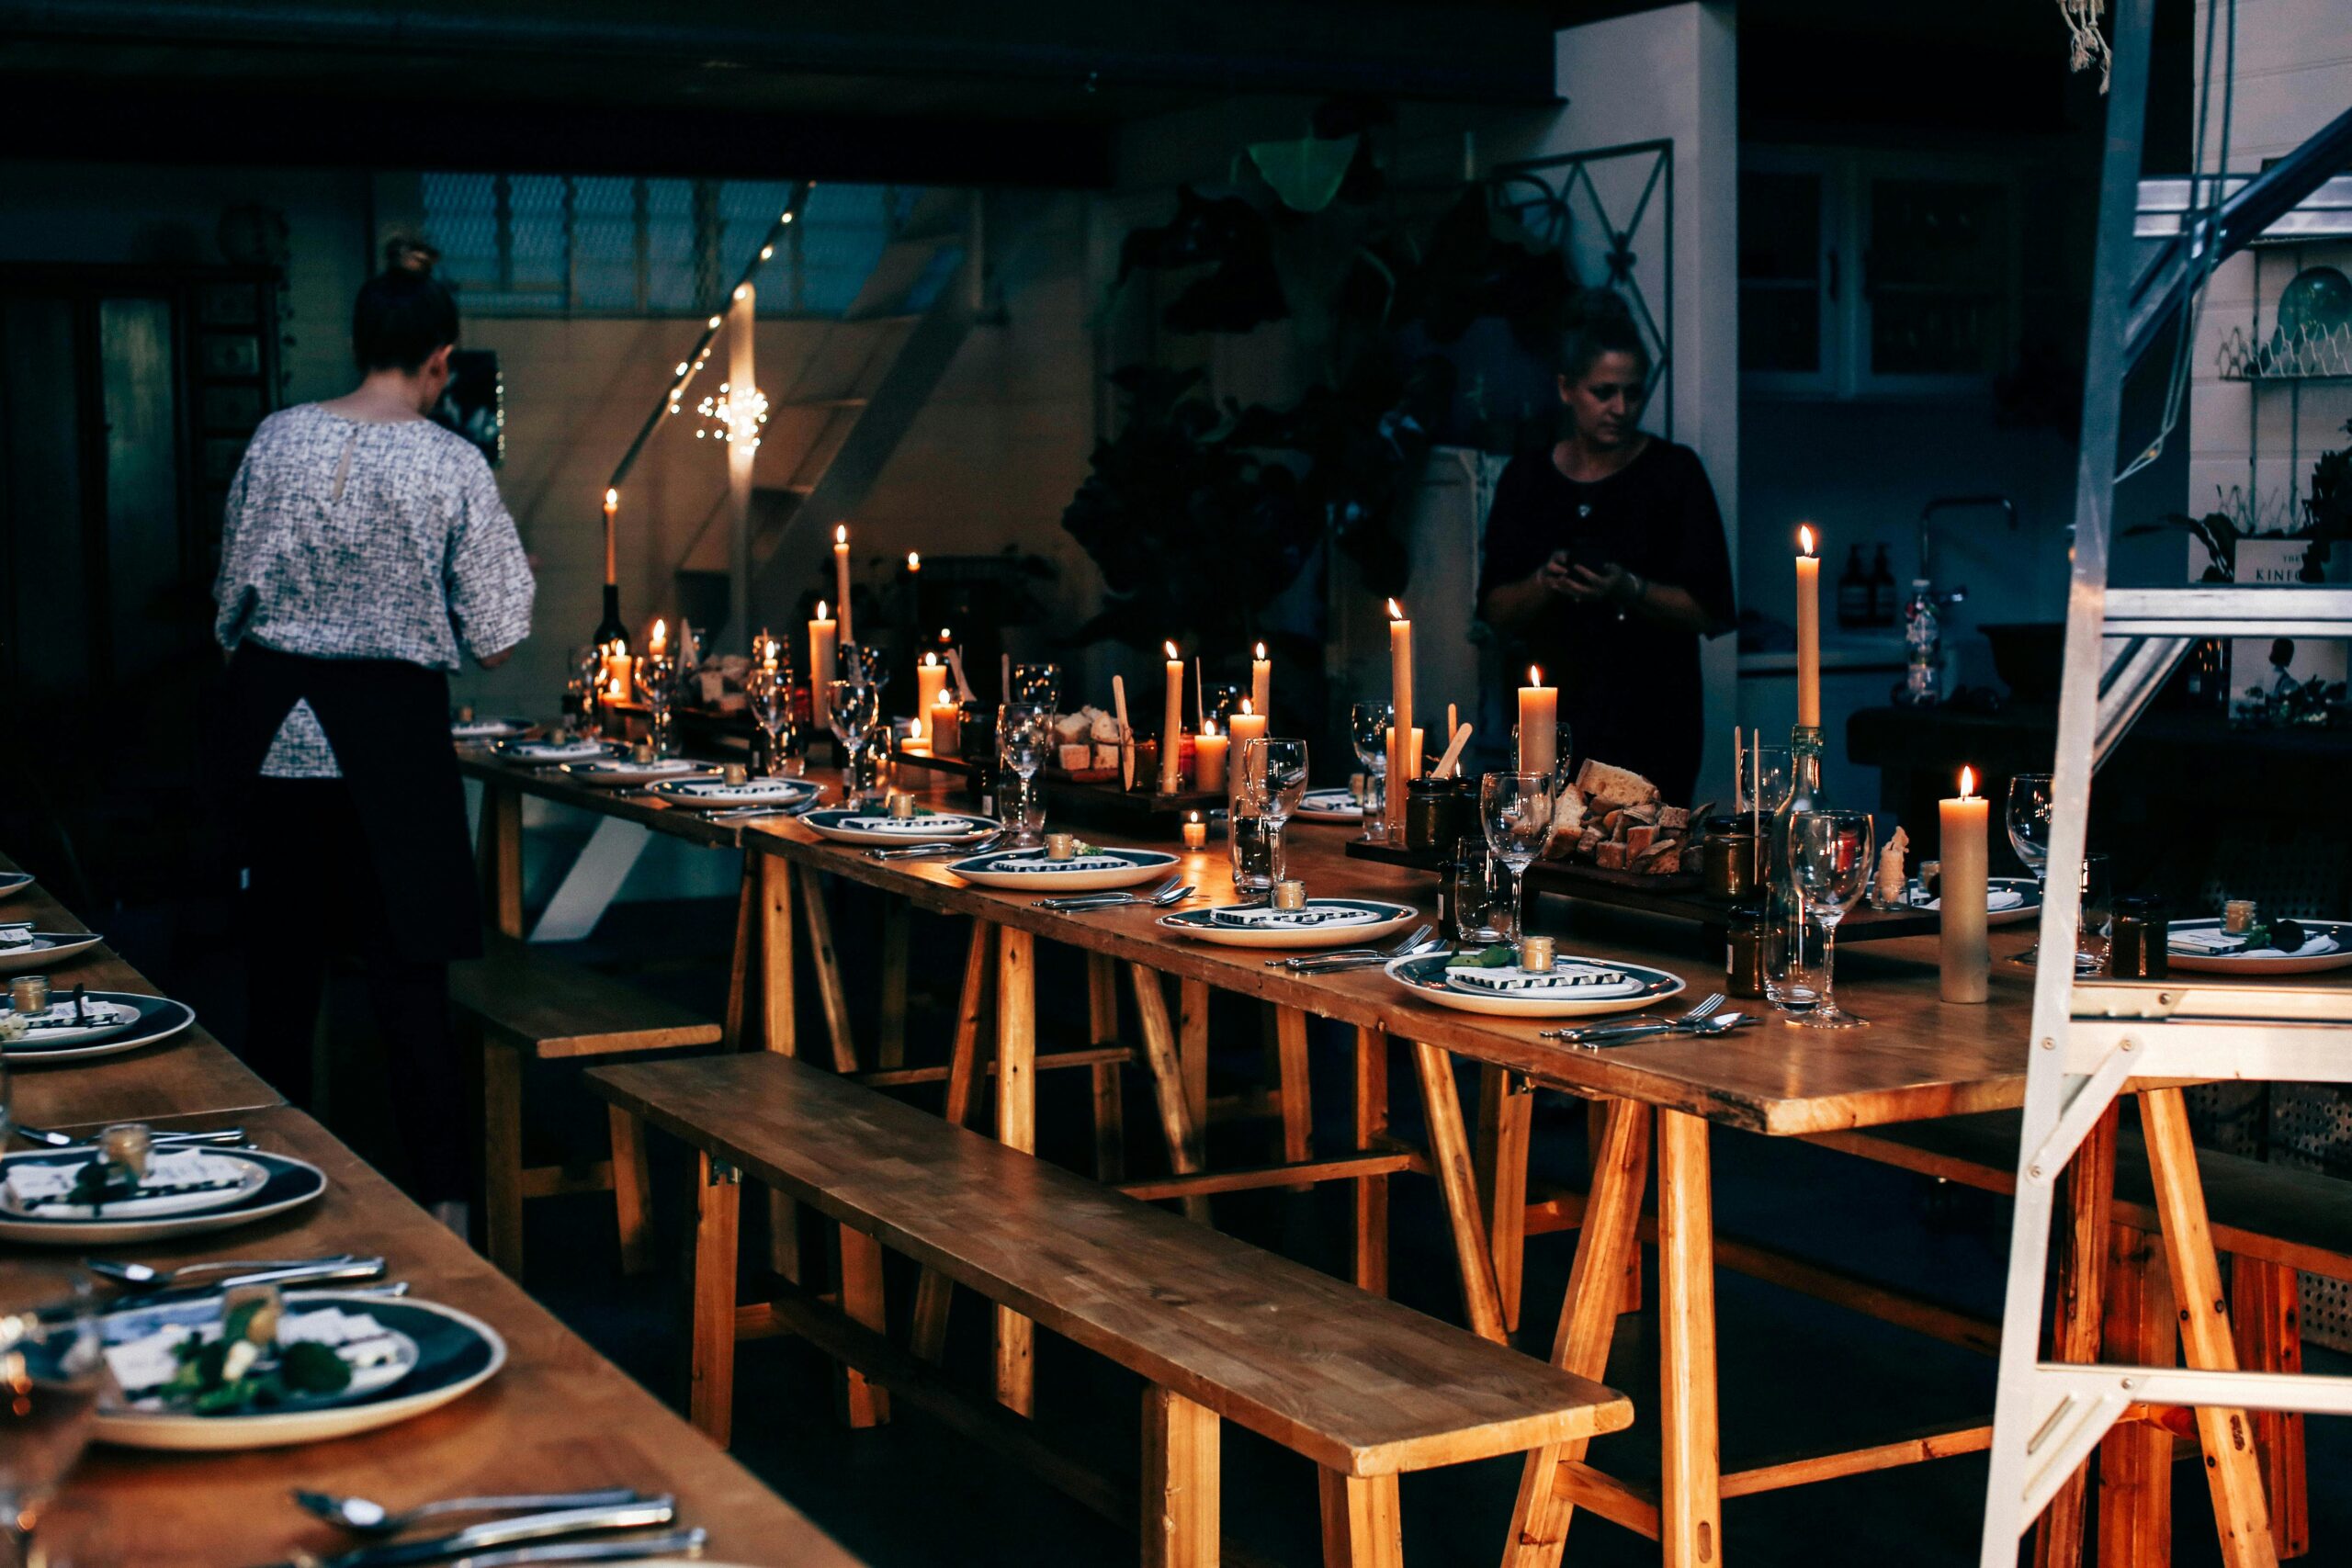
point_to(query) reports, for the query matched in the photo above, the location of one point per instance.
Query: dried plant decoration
(2089, 44)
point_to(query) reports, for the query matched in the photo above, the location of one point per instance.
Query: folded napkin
(1262, 918)
(1038, 863)
(909, 826)
(1511, 980)
(1329, 800)
(172, 1177)
(642, 770)
(2218, 941)
(15, 937)
(1996, 900)
(553, 751)
(474, 728)
(749, 789)
(58, 1016)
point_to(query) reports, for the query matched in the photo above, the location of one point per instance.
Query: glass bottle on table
(1793, 936)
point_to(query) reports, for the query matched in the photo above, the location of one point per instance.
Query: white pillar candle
(931, 680)
(946, 727)
(1965, 958)
(1171, 727)
(1208, 756)
(1246, 725)
(1400, 676)
(841, 578)
(824, 634)
(1262, 683)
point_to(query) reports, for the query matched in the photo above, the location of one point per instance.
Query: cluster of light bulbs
(734, 416)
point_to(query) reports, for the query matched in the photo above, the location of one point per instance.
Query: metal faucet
(1953, 503)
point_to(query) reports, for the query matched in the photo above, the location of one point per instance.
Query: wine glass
(2031, 799)
(1763, 781)
(768, 690)
(1830, 859)
(657, 682)
(1037, 685)
(1516, 811)
(852, 708)
(53, 1373)
(1368, 726)
(1025, 734)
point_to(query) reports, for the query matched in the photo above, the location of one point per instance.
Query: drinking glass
(1025, 736)
(2030, 803)
(51, 1376)
(1037, 685)
(852, 708)
(769, 694)
(1273, 777)
(1564, 745)
(1829, 856)
(1764, 783)
(2097, 910)
(1256, 851)
(1515, 809)
(1477, 895)
(1368, 726)
(657, 682)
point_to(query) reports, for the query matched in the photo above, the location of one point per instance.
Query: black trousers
(313, 896)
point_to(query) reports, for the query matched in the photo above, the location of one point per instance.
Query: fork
(48, 1139)
(1378, 960)
(1420, 934)
(1613, 1033)
(1167, 893)
(920, 851)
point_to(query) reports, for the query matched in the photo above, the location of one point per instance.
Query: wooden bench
(1222, 1331)
(513, 1003)
(2273, 1220)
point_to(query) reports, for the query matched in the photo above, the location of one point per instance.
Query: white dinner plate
(14, 882)
(1380, 919)
(1329, 806)
(1095, 871)
(149, 1020)
(284, 1183)
(2028, 904)
(712, 794)
(479, 729)
(847, 827)
(544, 753)
(454, 1354)
(2269, 961)
(46, 949)
(627, 773)
(1425, 977)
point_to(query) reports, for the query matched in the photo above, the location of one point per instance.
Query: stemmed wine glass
(1516, 811)
(52, 1372)
(2031, 799)
(1025, 731)
(852, 707)
(1035, 686)
(1829, 856)
(1368, 726)
(769, 692)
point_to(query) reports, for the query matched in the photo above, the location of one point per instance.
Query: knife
(471, 1541)
(677, 1544)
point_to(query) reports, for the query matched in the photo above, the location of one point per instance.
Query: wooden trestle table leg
(825, 959)
(1605, 1238)
(502, 858)
(1290, 1076)
(710, 1399)
(2233, 1469)
(1181, 1482)
(1689, 1505)
(2135, 1502)
(1103, 1029)
(1017, 1127)
(1362, 1525)
(891, 1034)
(1160, 1059)
(1506, 1116)
(927, 1338)
(1457, 1181)
(2078, 1315)
(779, 1032)
(1193, 1061)
(2265, 1309)
(1372, 1191)
(744, 965)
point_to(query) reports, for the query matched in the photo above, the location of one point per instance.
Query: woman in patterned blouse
(365, 553)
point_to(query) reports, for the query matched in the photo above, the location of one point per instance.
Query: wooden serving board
(1677, 897)
(1136, 811)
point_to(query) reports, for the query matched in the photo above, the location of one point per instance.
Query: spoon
(48, 1139)
(140, 1277)
(364, 1516)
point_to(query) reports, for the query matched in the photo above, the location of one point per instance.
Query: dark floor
(1796, 1374)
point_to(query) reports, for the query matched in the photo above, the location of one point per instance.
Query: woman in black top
(1605, 559)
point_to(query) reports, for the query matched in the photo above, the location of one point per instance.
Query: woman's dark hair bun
(402, 314)
(1599, 321)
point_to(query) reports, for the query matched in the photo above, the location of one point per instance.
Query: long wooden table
(558, 1417)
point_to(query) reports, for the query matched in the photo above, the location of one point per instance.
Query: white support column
(588, 887)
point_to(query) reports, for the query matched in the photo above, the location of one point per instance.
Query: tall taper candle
(1262, 683)
(1965, 958)
(611, 563)
(1539, 724)
(841, 578)
(1808, 631)
(1171, 727)
(1400, 675)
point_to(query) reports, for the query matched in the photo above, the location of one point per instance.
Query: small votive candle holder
(736, 773)
(1061, 846)
(1196, 832)
(1536, 954)
(643, 751)
(1290, 894)
(2237, 915)
(902, 805)
(126, 1145)
(28, 994)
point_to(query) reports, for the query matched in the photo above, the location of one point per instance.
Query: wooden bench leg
(1193, 1060)
(825, 959)
(2233, 1472)
(632, 1191)
(2266, 1310)
(1103, 1029)
(501, 1156)
(1290, 1075)
(1611, 1222)
(1457, 1181)
(863, 1402)
(1361, 1525)
(2078, 1313)
(710, 1398)
(927, 1336)
(1506, 1118)
(779, 1032)
(1372, 1191)
(1017, 1127)
(1690, 1505)
(2135, 1502)
(891, 1034)
(502, 858)
(1160, 1060)
(1180, 1481)
(743, 966)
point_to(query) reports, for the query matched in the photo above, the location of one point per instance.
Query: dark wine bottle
(1854, 592)
(1884, 601)
(610, 630)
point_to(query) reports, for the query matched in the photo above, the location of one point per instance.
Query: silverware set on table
(232, 1137)
(995, 840)
(1412, 945)
(562, 1526)
(1703, 1020)
(1175, 890)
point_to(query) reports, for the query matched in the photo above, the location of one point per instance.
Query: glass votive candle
(29, 993)
(127, 1144)
(1196, 832)
(2237, 915)
(1536, 954)
(1061, 846)
(1290, 894)
(736, 773)
(902, 805)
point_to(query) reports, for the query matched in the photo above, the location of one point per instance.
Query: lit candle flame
(661, 638)
(1535, 676)
(1246, 707)
(1170, 647)
(840, 533)
(1394, 612)
(1262, 651)
(914, 561)
(820, 611)
(1192, 817)
(612, 499)
(1805, 537)
(1208, 727)
(1967, 782)
(931, 661)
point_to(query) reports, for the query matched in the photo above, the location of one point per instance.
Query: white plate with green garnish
(1090, 868)
(1490, 981)
(1325, 922)
(332, 1365)
(844, 826)
(46, 1195)
(2270, 947)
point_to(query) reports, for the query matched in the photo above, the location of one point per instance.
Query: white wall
(1671, 73)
